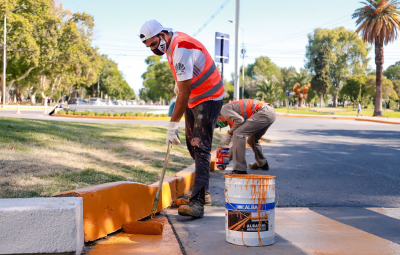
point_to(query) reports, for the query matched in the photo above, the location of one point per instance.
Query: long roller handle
(155, 203)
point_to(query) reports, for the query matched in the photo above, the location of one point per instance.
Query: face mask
(161, 48)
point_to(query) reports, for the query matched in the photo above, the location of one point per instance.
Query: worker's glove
(176, 89)
(226, 139)
(172, 133)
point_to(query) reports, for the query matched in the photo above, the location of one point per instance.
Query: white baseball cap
(151, 28)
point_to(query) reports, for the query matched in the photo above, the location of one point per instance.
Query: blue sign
(287, 93)
(221, 47)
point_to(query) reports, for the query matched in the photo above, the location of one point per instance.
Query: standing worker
(200, 93)
(247, 118)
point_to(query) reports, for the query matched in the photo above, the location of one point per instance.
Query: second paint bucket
(222, 156)
(250, 209)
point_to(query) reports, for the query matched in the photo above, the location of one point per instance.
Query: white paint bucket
(250, 209)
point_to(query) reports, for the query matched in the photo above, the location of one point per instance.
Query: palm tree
(269, 92)
(300, 82)
(379, 23)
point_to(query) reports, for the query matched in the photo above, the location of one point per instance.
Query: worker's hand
(176, 89)
(172, 133)
(226, 139)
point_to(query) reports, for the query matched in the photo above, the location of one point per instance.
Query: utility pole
(5, 55)
(236, 80)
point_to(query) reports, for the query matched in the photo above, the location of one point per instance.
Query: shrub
(393, 105)
(127, 114)
(117, 114)
(163, 115)
(148, 114)
(61, 112)
(69, 112)
(156, 115)
(139, 114)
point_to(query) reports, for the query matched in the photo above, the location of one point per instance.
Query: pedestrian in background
(359, 109)
(171, 106)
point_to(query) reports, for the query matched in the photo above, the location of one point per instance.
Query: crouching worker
(247, 118)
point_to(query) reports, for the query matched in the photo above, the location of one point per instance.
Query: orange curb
(380, 121)
(317, 117)
(106, 207)
(117, 118)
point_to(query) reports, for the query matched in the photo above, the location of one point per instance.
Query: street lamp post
(243, 53)
(5, 54)
(98, 79)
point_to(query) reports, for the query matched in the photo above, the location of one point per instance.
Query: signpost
(288, 94)
(221, 50)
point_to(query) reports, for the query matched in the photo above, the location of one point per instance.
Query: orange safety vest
(250, 106)
(208, 85)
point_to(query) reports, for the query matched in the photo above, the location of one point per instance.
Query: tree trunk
(300, 102)
(322, 98)
(379, 66)
(335, 100)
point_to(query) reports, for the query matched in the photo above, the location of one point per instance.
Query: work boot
(239, 172)
(254, 166)
(208, 199)
(194, 208)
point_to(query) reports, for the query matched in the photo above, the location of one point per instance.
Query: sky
(276, 29)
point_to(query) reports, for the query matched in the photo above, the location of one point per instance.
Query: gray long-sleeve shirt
(232, 113)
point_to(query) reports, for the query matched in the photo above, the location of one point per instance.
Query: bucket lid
(249, 176)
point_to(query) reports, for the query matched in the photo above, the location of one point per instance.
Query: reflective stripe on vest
(248, 107)
(208, 84)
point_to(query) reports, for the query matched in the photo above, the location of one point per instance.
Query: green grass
(348, 111)
(41, 158)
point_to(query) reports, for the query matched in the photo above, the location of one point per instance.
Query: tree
(379, 22)
(320, 81)
(158, 79)
(355, 87)
(287, 74)
(393, 72)
(300, 82)
(269, 92)
(348, 54)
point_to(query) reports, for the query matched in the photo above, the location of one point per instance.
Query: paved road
(338, 184)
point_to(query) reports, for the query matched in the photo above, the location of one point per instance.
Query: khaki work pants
(254, 128)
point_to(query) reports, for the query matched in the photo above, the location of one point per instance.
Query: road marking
(317, 234)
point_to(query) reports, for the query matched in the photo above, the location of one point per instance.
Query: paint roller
(153, 226)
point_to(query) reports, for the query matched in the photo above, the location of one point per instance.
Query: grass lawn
(349, 111)
(41, 158)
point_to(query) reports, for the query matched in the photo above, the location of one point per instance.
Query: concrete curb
(343, 118)
(380, 121)
(315, 117)
(109, 117)
(106, 207)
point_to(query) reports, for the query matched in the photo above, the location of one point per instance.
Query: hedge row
(125, 114)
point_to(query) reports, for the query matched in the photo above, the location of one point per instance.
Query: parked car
(133, 102)
(116, 102)
(77, 101)
(106, 102)
(95, 101)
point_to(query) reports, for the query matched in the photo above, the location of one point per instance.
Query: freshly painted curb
(106, 207)
(315, 117)
(380, 121)
(109, 117)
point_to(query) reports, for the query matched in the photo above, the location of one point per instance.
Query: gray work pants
(254, 128)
